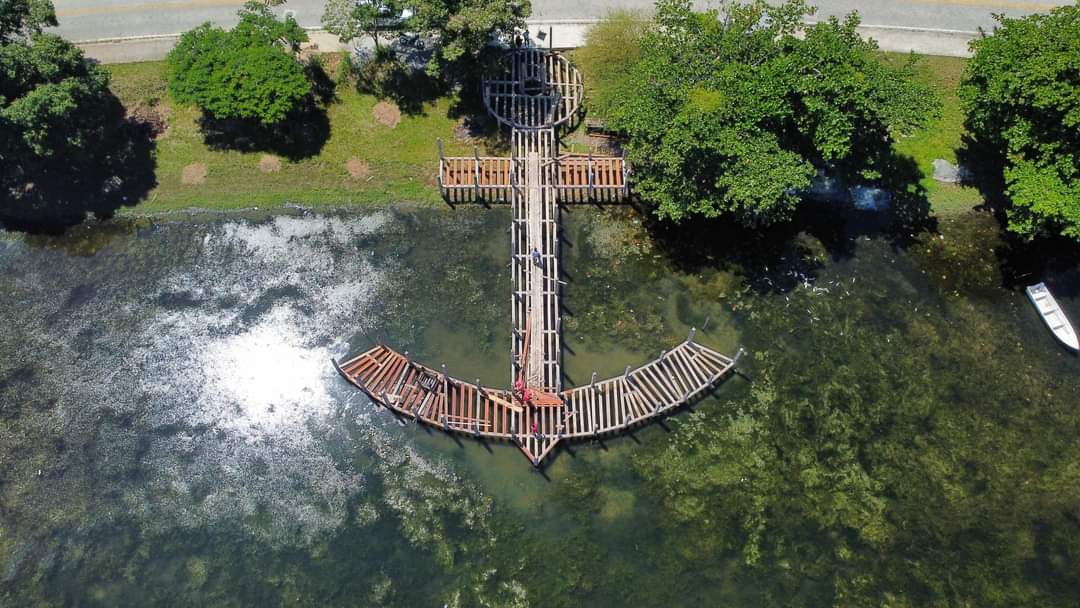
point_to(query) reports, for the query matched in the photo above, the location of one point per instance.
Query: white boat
(1053, 315)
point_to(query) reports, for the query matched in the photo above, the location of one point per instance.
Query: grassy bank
(944, 135)
(389, 164)
(398, 164)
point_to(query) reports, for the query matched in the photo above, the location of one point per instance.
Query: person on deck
(536, 257)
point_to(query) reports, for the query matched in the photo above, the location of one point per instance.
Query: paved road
(82, 20)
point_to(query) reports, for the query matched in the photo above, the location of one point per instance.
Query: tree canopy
(462, 29)
(66, 146)
(249, 72)
(53, 103)
(1021, 92)
(350, 19)
(732, 112)
(459, 30)
(22, 18)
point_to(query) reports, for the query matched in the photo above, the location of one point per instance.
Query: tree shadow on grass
(301, 135)
(323, 87)
(776, 258)
(396, 74)
(48, 198)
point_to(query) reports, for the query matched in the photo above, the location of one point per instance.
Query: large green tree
(1021, 92)
(21, 18)
(350, 19)
(459, 30)
(65, 146)
(462, 29)
(731, 112)
(249, 72)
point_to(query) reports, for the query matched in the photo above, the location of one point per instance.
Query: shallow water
(174, 433)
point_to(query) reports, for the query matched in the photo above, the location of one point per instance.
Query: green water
(172, 432)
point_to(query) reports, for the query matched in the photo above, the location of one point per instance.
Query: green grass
(403, 160)
(943, 136)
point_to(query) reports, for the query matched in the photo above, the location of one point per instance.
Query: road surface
(84, 20)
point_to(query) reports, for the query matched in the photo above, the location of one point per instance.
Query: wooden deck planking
(611, 406)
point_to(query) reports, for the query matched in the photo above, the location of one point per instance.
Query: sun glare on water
(274, 380)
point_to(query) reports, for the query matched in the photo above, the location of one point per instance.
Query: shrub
(612, 47)
(249, 72)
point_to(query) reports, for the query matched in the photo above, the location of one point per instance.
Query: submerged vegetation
(904, 433)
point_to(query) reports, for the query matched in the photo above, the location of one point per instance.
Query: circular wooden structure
(537, 89)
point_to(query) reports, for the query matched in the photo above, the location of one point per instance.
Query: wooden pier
(432, 397)
(537, 94)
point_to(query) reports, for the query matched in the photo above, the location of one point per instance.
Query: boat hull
(1053, 315)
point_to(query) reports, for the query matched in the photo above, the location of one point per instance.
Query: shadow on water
(774, 259)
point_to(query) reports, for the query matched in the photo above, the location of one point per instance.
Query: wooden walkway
(578, 178)
(538, 93)
(422, 394)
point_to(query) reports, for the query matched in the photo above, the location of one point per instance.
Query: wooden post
(442, 163)
(476, 172)
(445, 387)
(592, 195)
(625, 176)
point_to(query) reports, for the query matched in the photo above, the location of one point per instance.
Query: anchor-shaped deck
(540, 93)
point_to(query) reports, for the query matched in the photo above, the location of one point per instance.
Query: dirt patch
(470, 130)
(155, 118)
(269, 163)
(194, 174)
(386, 113)
(358, 169)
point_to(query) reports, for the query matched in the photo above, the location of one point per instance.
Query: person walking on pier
(536, 258)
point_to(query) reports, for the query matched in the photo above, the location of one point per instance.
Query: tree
(53, 99)
(53, 103)
(1021, 92)
(22, 18)
(65, 144)
(249, 72)
(732, 113)
(351, 19)
(462, 29)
